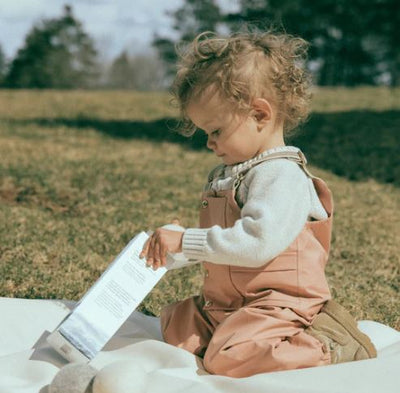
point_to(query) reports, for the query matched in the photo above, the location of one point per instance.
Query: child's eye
(215, 132)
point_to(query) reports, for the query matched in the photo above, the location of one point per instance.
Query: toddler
(265, 220)
(265, 223)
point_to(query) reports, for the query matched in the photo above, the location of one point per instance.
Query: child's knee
(219, 362)
(216, 365)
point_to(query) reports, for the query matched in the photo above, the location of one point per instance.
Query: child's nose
(210, 143)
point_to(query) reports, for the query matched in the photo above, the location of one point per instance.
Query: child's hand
(156, 248)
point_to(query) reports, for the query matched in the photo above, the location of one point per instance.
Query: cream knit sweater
(277, 199)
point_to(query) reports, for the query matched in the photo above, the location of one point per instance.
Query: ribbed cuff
(194, 243)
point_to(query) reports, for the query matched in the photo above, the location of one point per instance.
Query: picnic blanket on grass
(28, 364)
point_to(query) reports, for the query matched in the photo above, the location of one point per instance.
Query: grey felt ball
(73, 378)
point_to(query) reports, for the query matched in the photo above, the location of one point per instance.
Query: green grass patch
(82, 171)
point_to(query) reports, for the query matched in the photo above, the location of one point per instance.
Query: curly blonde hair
(244, 66)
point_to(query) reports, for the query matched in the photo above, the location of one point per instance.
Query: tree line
(58, 53)
(352, 42)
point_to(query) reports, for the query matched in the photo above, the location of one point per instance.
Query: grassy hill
(82, 171)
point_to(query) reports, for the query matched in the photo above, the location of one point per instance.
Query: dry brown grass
(72, 196)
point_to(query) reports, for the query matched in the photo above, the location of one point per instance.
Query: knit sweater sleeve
(277, 207)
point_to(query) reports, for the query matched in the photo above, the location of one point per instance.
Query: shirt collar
(232, 170)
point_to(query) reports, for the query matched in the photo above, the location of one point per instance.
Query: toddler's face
(232, 136)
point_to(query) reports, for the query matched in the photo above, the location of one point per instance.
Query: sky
(113, 24)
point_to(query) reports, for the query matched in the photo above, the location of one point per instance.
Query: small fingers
(155, 251)
(163, 255)
(157, 255)
(151, 252)
(145, 249)
(156, 265)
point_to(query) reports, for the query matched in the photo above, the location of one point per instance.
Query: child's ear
(262, 111)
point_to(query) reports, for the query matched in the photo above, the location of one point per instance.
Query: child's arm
(277, 207)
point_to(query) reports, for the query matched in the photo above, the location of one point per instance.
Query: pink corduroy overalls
(252, 320)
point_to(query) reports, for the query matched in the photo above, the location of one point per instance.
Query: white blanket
(151, 365)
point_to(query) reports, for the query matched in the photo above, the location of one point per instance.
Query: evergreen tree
(57, 54)
(384, 33)
(335, 28)
(194, 17)
(2, 65)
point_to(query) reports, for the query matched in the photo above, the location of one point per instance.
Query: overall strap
(298, 157)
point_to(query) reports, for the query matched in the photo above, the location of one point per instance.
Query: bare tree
(139, 72)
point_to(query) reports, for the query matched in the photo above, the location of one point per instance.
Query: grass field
(82, 171)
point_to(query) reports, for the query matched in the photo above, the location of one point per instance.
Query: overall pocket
(281, 274)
